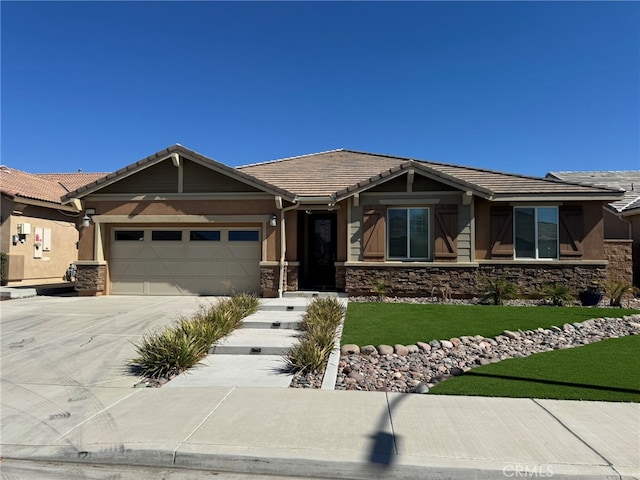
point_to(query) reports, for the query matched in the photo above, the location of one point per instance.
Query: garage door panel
(212, 265)
(204, 252)
(207, 269)
(157, 287)
(166, 252)
(128, 268)
(128, 286)
(166, 269)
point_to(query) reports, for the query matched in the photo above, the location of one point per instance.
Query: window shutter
(570, 232)
(446, 233)
(501, 231)
(373, 228)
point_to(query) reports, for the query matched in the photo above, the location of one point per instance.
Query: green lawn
(392, 323)
(607, 371)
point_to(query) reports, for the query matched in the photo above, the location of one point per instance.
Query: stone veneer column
(619, 255)
(91, 278)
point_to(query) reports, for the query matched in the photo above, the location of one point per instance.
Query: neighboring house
(38, 233)
(178, 222)
(622, 217)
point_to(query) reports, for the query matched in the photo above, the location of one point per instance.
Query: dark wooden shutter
(446, 233)
(373, 233)
(571, 233)
(501, 232)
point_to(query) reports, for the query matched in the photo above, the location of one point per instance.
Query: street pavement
(67, 396)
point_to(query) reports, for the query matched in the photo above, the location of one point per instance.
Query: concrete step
(311, 294)
(273, 320)
(257, 342)
(236, 370)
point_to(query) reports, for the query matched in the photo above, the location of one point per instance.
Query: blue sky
(523, 87)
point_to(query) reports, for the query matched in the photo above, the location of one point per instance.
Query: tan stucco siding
(51, 264)
(355, 229)
(227, 212)
(592, 225)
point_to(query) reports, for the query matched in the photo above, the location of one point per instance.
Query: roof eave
(165, 154)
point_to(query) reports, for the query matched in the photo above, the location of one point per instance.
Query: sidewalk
(66, 396)
(323, 433)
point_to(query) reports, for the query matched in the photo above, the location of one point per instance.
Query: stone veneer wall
(467, 281)
(269, 280)
(91, 279)
(619, 255)
(269, 276)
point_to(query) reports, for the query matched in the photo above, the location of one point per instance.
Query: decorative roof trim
(163, 155)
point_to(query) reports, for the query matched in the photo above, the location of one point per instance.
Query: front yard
(393, 323)
(582, 358)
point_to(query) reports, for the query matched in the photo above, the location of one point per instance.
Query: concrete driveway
(80, 341)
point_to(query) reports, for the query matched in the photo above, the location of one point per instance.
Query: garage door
(184, 261)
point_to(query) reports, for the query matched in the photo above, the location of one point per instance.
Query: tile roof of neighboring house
(343, 172)
(629, 180)
(45, 187)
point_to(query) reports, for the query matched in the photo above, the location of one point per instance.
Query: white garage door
(184, 261)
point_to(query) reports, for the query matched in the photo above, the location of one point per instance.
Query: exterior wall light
(273, 220)
(86, 220)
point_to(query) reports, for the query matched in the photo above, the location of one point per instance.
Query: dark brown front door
(318, 245)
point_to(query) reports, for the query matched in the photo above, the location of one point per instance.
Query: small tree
(617, 290)
(499, 290)
(558, 293)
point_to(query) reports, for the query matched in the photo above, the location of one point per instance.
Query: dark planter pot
(589, 299)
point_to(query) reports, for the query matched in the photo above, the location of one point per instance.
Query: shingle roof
(44, 187)
(340, 172)
(629, 180)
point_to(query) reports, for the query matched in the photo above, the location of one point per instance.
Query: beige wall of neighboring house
(42, 260)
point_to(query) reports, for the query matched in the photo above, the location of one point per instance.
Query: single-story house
(38, 233)
(178, 222)
(621, 217)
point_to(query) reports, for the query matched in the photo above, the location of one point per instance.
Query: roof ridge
(277, 160)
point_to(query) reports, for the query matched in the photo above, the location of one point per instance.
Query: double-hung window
(408, 233)
(536, 232)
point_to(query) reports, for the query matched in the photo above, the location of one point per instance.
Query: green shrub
(499, 290)
(617, 290)
(319, 325)
(558, 293)
(168, 353)
(183, 345)
(308, 356)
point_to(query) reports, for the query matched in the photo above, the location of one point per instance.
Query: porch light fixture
(86, 220)
(273, 220)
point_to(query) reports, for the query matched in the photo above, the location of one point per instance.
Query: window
(536, 232)
(129, 235)
(244, 235)
(204, 235)
(166, 236)
(408, 233)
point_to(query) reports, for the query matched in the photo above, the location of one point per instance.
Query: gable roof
(628, 180)
(162, 155)
(341, 173)
(44, 187)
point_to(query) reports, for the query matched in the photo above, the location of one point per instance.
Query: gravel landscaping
(416, 368)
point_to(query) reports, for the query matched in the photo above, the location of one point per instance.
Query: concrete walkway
(66, 396)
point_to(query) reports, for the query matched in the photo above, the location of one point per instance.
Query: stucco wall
(52, 265)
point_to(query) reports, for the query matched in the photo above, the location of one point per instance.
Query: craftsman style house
(178, 222)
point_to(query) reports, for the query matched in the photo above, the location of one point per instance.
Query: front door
(318, 245)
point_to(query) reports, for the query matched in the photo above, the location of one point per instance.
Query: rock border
(416, 368)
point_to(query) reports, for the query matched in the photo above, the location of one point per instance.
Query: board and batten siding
(355, 228)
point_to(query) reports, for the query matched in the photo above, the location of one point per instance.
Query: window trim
(536, 237)
(409, 258)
